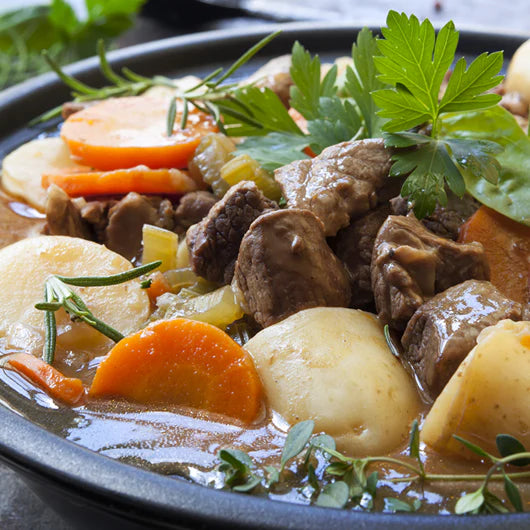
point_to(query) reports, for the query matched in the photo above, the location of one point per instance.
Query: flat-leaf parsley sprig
(414, 62)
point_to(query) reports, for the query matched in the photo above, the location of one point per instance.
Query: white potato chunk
(24, 268)
(488, 394)
(333, 365)
(23, 168)
(518, 76)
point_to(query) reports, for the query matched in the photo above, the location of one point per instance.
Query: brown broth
(182, 442)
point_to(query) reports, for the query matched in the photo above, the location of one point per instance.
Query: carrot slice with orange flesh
(182, 362)
(140, 179)
(159, 286)
(507, 246)
(69, 390)
(131, 131)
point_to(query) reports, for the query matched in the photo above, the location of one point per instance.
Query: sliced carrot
(70, 390)
(159, 286)
(131, 131)
(507, 246)
(140, 179)
(182, 362)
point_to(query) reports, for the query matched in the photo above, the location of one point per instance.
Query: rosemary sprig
(58, 294)
(342, 480)
(207, 95)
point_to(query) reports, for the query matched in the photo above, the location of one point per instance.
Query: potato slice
(333, 365)
(24, 267)
(23, 168)
(518, 76)
(488, 394)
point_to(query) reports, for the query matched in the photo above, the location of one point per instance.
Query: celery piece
(159, 244)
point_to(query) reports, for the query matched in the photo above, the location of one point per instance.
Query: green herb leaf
(414, 440)
(475, 448)
(237, 459)
(273, 475)
(492, 504)
(470, 503)
(274, 150)
(371, 483)
(248, 486)
(297, 438)
(393, 505)
(337, 121)
(334, 495)
(465, 88)
(307, 88)
(362, 81)
(511, 195)
(323, 441)
(390, 343)
(512, 492)
(508, 445)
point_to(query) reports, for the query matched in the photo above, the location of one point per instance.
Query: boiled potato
(23, 168)
(518, 76)
(333, 365)
(24, 267)
(487, 395)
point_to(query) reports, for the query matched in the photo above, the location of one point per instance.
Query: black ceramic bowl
(93, 491)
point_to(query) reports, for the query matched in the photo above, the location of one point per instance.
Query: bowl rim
(148, 496)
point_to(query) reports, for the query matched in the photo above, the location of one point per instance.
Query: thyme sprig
(343, 480)
(58, 294)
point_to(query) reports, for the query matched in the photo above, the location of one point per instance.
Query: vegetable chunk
(24, 268)
(22, 169)
(70, 390)
(487, 395)
(332, 365)
(139, 179)
(131, 131)
(186, 363)
(507, 247)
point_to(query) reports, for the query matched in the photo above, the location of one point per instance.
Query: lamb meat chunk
(444, 330)
(96, 213)
(446, 220)
(63, 216)
(123, 233)
(410, 265)
(275, 76)
(353, 245)
(192, 208)
(72, 107)
(340, 184)
(285, 265)
(214, 242)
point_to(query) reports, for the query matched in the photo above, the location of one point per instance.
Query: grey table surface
(20, 508)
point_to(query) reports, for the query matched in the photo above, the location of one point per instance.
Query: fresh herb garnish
(57, 28)
(337, 480)
(414, 63)
(58, 294)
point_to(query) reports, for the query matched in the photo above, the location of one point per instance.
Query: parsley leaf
(308, 88)
(274, 150)
(362, 80)
(414, 61)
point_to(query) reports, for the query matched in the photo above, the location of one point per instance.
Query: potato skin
(24, 267)
(487, 395)
(333, 365)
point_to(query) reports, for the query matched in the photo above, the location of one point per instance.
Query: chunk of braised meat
(214, 242)
(446, 220)
(96, 213)
(123, 233)
(63, 216)
(340, 184)
(285, 265)
(410, 264)
(353, 245)
(192, 208)
(445, 328)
